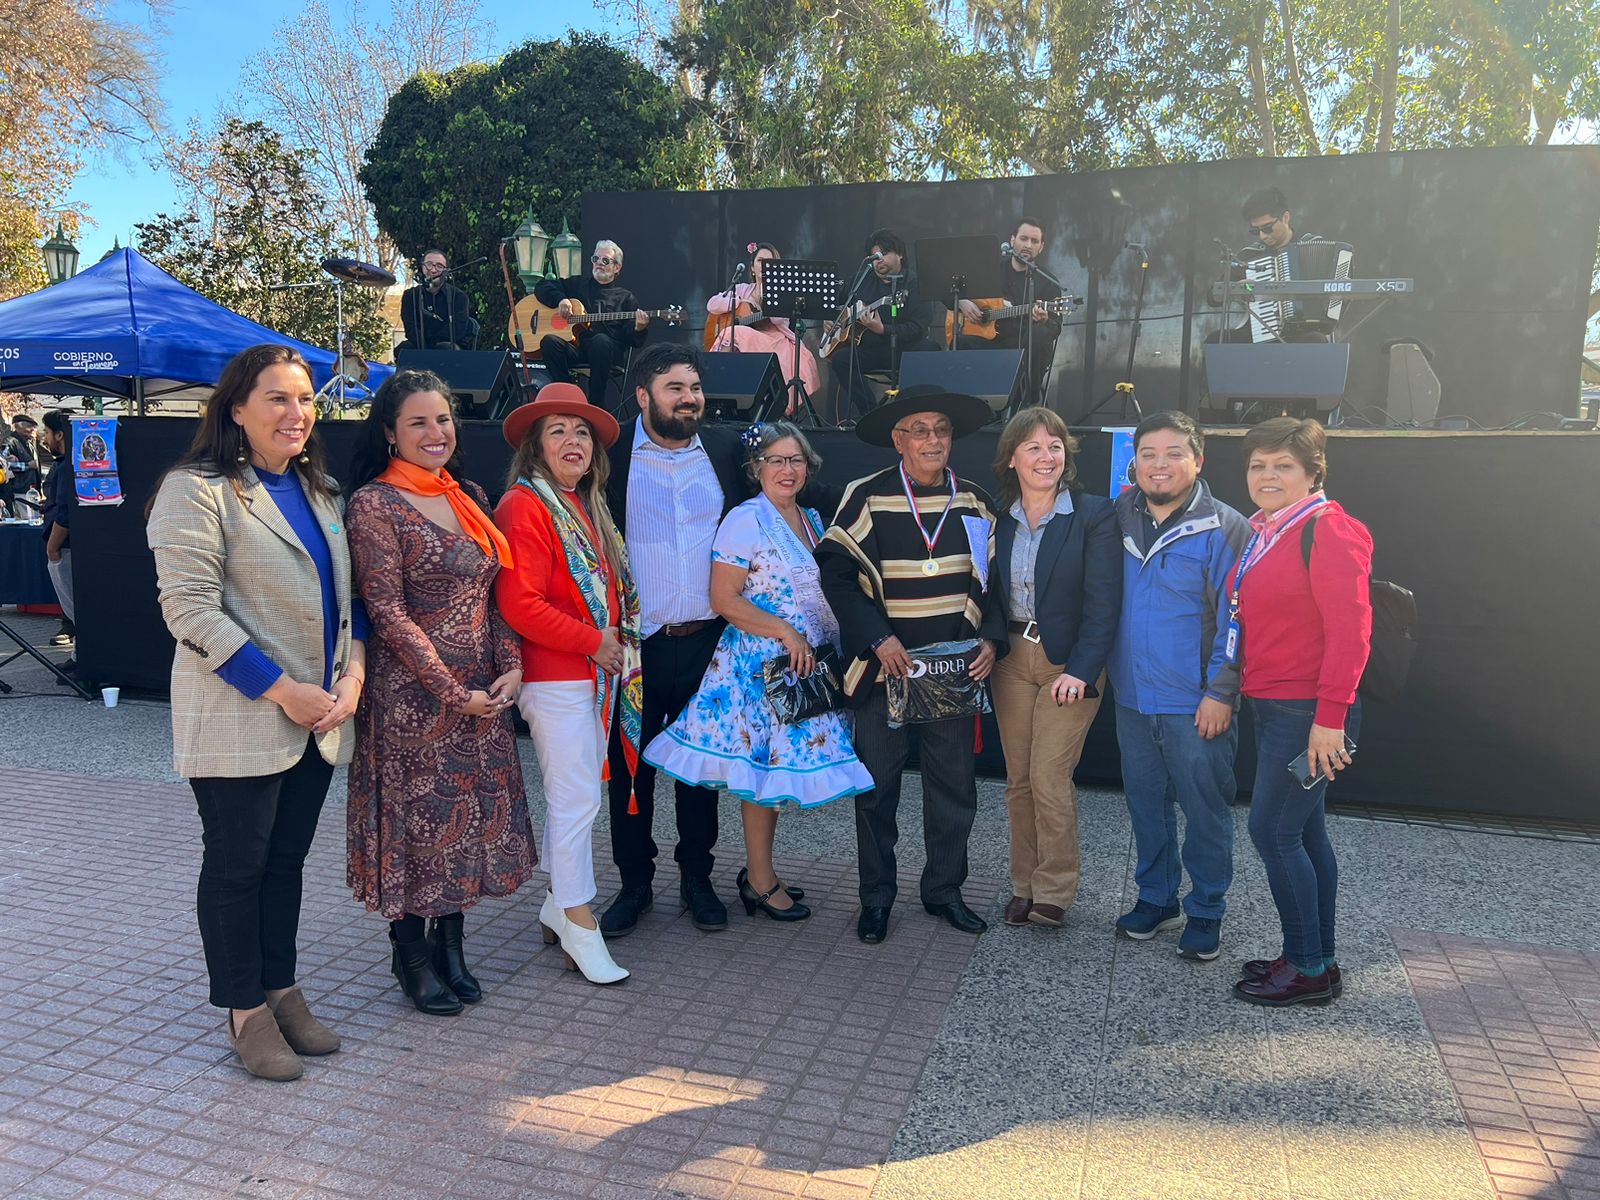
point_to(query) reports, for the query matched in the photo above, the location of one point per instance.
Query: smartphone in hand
(1300, 768)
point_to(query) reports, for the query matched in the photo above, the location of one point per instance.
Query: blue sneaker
(1146, 920)
(1201, 940)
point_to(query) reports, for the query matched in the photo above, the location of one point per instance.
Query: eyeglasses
(604, 260)
(922, 433)
(1258, 230)
(793, 461)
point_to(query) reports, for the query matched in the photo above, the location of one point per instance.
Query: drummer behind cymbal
(435, 312)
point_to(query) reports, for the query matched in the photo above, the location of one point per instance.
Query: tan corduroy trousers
(1042, 743)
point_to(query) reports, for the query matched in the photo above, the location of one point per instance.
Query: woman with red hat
(572, 600)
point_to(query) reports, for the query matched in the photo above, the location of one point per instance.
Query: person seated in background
(746, 334)
(435, 313)
(885, 333)
(600, 349)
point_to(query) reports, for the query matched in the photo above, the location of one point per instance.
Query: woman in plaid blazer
(254, 574)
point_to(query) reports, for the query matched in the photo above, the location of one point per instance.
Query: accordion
(1313, 259)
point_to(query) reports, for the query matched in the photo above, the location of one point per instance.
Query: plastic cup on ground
(110, 696)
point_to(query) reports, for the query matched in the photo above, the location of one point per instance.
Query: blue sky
(204, 45)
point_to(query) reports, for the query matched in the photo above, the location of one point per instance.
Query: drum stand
(342, 392)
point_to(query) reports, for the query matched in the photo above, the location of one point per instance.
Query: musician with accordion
(1276, 255)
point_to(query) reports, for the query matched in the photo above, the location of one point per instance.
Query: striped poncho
(872, 571)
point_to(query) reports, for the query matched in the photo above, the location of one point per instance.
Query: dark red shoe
(1260, 968)
(1283, 987)
(1017, 909)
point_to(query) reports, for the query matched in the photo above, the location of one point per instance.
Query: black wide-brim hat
(967, 414)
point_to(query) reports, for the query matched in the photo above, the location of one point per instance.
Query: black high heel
(412, 965)
(754, 900)
(743, 880)
(449, 959)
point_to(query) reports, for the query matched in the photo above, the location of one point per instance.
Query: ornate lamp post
(532, 243)
(60, 257)
(566, 253)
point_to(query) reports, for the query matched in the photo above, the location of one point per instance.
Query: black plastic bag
(795, 698)
(939, 686)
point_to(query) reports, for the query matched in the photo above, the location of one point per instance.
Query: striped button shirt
(674, 507)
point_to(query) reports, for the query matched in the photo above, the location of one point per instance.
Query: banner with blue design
(94, 460)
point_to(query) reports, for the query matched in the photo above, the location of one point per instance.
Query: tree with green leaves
(253, 219)
(461, 157)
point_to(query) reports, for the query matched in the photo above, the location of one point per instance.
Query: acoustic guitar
(996, 309)
(847, 325)
(743, 315)
(536, 320)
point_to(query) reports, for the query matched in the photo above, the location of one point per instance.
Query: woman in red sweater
(571, 599)
(1301, 621)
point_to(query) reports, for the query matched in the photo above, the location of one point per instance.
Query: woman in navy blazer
(1058, 569)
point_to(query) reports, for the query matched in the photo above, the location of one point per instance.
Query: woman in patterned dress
(764, 580)
(438, 814)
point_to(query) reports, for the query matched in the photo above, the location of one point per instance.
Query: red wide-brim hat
(565, 399)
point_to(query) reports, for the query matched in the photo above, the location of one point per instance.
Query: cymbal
(353, 271)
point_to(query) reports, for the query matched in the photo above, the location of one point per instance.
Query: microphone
(876, 255)
(1005, 250)
(738, 272)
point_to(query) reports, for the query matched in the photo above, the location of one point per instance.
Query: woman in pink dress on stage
(767, 335)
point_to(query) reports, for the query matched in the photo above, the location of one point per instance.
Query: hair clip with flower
(751, 438)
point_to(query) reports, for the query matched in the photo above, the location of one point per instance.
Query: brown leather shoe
(301, 1030)
(1048, 914)
(1017, 910)
(261, 1048)
(1285, 986)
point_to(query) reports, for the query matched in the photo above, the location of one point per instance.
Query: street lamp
(566, 252)
(60, 257)
(532, 242)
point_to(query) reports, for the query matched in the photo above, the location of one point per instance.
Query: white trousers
(61, 580)
(568, 741)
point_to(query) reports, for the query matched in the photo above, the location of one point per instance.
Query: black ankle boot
(449, 962)
(409, 962)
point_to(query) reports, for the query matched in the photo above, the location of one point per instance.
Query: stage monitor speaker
(742, 387)
(990, 375)
(484, 381)
(1413, 397)
(1257, 380)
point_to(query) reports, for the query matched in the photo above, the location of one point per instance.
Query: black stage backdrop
(1485, 528)
(1501, 243)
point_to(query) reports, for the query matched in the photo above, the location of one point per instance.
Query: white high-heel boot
(585, 951)
(552, 919)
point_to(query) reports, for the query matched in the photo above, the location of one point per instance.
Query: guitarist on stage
(598, 349)
(885, 333)
(1027, 244)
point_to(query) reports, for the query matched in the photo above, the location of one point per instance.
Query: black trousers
(598, 351)
(672, 669)
(949, 801)
(256, 833)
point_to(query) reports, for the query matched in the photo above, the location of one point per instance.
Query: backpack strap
(1308, 535)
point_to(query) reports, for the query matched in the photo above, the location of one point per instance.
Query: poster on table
(94, 460)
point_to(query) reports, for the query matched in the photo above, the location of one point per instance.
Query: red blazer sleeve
(1341, 571)
(524, 590)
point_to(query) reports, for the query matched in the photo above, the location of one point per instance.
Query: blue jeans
(1288, 827)
(1165, 761)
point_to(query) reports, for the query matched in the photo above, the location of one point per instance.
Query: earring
(394, 451)
(244, 449)
(305, 458)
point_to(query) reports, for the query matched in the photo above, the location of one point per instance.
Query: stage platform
(1494, 532)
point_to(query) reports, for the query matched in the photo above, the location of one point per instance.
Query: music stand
(799, 288)
(24, 646)
(961, 268)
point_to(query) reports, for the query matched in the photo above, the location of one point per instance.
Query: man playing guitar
(977, 330)
(599, 348)
(886, 332)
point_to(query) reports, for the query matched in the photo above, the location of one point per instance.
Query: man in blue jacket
(1175, 690)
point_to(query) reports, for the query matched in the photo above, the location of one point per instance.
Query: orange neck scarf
(475, 523)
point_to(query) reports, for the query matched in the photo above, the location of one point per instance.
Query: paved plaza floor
(772, 1060)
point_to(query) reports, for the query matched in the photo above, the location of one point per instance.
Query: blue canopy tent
(125, 328)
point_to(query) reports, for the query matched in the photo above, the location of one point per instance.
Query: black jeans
(949, 801)
(256, 833)
(599, 351)
(672, 669)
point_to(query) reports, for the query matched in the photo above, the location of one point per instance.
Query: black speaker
(742, 387)
(483, 381)
(989, 375)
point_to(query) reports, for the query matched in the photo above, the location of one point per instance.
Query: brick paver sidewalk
(770, 1060)
(1518, 1028)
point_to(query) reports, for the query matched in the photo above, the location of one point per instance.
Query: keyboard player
(1267, 214)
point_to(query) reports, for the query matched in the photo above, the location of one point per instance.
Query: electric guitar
(998, 310)
(847, 325)
(538, 320)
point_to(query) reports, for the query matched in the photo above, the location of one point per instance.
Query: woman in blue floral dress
(764, 581)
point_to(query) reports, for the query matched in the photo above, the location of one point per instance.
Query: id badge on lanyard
(1230, 645)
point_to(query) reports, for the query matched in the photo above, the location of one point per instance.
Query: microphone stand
(1032, 268)
(857, 378)
(449, 300)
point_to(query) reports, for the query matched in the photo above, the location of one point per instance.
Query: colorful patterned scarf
(586, 562)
